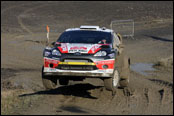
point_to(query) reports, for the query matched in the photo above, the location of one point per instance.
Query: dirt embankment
(23, 36)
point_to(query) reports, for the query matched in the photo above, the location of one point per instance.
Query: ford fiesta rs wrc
(86, 52)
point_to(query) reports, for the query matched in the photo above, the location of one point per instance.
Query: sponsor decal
(78, 49)
(81, 51)
(63, 48)
(94, 49)
(82, 48)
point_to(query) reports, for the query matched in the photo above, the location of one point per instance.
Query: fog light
(105, 66)
(51, 65)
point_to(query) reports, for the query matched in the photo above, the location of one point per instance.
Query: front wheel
(48, 82)
(112, 83)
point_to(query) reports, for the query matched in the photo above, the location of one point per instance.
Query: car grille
(72, 60)
(77, 67)
(76, 60)
(84, 67)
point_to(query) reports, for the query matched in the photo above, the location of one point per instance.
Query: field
(23, 38)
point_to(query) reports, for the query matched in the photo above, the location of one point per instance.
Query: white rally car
(86, 52)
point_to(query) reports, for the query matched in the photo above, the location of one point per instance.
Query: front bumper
(94, 73)
(85, 69)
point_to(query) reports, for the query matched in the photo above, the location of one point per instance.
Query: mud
(23, 38)
(142, 67)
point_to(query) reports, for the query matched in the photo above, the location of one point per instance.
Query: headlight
(46, 53)
(101, 53)
(112, 55)
(56, 52)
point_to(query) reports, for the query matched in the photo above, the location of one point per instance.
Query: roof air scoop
(89, 27)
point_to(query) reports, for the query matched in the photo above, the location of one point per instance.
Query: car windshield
(91, 37)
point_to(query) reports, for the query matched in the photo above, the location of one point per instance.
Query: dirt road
(23, 37)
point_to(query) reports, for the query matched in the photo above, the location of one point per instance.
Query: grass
(11, 102)
(165, 62)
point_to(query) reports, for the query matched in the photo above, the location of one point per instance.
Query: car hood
(77, 47)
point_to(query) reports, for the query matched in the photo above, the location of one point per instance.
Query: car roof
(90, 28)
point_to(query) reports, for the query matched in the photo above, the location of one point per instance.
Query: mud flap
(123, 66)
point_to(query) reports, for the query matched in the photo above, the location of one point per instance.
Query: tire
(48, 82)
(112, 83)
(63, 81)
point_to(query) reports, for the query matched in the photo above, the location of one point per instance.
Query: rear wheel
(48, 82)
(112, 83)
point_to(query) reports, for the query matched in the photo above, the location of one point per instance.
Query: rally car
(86, 52)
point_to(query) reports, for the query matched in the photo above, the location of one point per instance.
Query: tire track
(14, 6)
(20, 22)
(146, 93)
(25, 12)
(2, 12)
(161, 92)
(166, 96)
(18, 18)
(163, 83)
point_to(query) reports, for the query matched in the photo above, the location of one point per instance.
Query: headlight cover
(56, 52)
(101, 53)
(46, 53)
(112, 55)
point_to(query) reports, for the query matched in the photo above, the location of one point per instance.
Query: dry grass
(10, 101)
(165, 62)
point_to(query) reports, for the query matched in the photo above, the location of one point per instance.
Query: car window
(92, 37)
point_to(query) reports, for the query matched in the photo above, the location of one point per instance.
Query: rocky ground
(23, 37)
